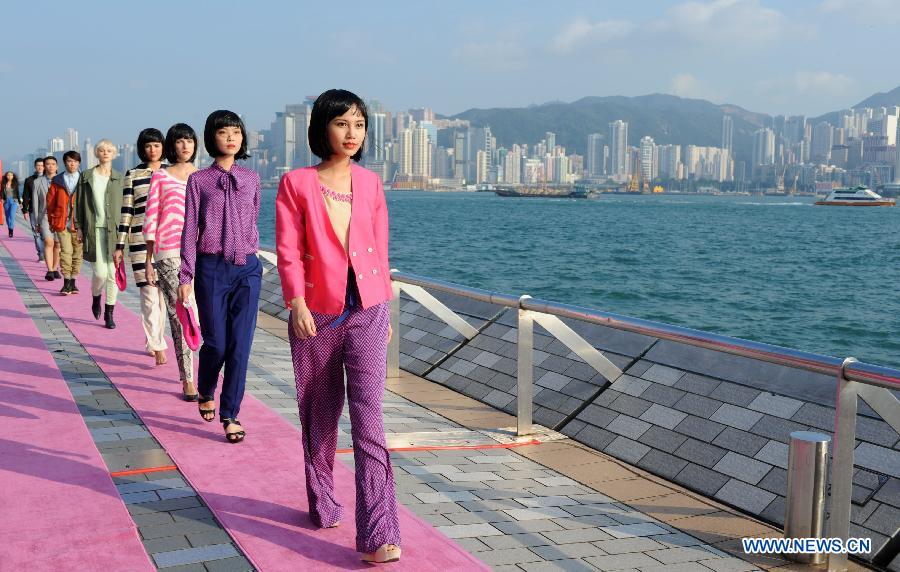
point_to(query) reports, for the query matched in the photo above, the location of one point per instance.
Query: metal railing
(854, 379)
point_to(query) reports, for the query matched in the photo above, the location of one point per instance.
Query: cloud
(686, 85)
(872, 11)
(580, 31)
(732, 23)
(826, 88)
(498, 55)
(823, 81)
(811, 82)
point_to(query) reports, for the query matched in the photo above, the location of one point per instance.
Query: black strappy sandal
(235, 437)
(189, 396)
(208, 415)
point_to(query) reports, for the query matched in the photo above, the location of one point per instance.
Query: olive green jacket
(86, 213)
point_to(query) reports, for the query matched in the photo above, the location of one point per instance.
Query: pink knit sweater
(164, 220)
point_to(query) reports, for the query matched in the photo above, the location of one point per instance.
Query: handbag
(121, 281)
(187, 315)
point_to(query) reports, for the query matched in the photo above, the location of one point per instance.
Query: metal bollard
(805, 504)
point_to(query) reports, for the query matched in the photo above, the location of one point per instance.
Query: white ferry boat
(855, 197)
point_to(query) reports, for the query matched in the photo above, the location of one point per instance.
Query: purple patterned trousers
(359, 345)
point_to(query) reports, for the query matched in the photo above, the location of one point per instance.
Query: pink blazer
(312, 262)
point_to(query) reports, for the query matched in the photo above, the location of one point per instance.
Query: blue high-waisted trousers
(227, 301)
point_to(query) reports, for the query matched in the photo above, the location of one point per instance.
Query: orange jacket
(60, 205)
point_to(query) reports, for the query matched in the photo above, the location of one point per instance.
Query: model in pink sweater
(164, 219)
(163, 226)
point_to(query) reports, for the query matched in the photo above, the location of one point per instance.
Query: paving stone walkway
(511, 512)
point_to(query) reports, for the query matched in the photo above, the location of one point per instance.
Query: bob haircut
(148, 135)
(71, 155)
(108, 144)
(333, 103)
(176, 132)
(217, 120)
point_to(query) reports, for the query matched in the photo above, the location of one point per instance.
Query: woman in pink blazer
(336, 280)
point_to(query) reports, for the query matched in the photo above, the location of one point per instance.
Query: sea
(777, 270)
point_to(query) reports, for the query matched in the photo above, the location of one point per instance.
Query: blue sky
(112, 68)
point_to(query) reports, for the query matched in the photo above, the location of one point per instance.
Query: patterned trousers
(359, 345)
(167, 282)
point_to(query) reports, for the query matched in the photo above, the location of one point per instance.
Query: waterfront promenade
(127, 476)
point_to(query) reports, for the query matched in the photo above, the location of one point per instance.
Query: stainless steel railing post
(842, 464)
(525, 370)
(393, 353)
(805, 503)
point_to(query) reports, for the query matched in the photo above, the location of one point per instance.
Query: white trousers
(153, 318)
(104, 270)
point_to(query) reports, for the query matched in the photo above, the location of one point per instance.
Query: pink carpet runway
(61, 510)
(256, 489)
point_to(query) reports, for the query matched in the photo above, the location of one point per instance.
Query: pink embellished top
(338, 207)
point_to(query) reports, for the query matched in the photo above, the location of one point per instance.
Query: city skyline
(408, 152)
(474, 56)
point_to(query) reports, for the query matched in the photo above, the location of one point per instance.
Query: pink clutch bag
(121, 282)
(187, 315)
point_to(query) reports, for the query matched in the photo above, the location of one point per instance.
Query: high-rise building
(595, 160)
(763, 149)
(618, 139)
(290, 141)
(713, 163)
(88, 158)
(405, 158)
(482, 163)
(71, 139)
(57, 145)
(550, 139)
(560, 168)
(670, 166)
(479, 139)
(794, 129)
(459, 154)
(401, 122)
(421, 152)
(302, 113)
(727, 133)
(648, 158)
(822, 142)
(512, 166)
(421, 114)
(375, 137)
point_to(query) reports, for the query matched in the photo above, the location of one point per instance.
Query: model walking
(131, 233)
(218, 255)
(11, 199)
(97, 206)
(336, 280)
(163, 226)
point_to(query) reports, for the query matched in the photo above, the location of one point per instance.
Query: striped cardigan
(131, 223)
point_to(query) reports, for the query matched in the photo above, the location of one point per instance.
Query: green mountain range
(667, 118)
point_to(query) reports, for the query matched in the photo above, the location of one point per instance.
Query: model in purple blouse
(219, 266)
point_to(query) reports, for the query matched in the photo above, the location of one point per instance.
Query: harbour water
(771, 269)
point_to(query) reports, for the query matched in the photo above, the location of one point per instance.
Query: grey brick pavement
(507, 510)
(166, 510)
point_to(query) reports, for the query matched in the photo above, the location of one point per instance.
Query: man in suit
(28, 189)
